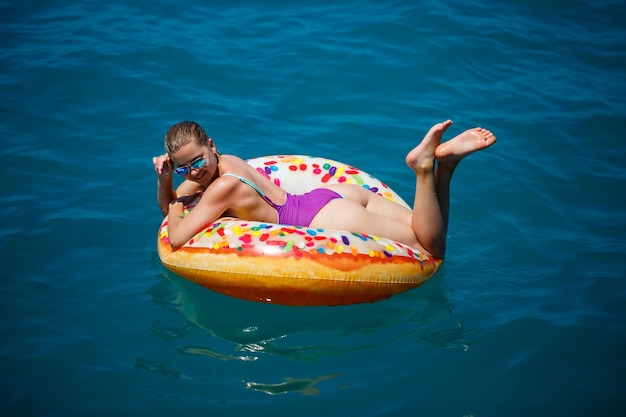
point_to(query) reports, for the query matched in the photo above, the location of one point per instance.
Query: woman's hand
(186, 199)
(176, 216)
(163, 165)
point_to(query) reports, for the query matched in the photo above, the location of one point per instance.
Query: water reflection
(308, 333)
(216, 355)
(279, 349)
(305, 386)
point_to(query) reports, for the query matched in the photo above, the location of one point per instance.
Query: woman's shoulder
(233, 164)
(232, 159)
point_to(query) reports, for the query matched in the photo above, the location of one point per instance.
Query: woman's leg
(427, 220)
(425, 227)
(448, 155)
(348, 214)
(432, 191)
(422, 228)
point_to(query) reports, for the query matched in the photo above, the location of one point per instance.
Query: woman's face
(195, 162)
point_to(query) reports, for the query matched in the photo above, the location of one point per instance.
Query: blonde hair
(183, 133)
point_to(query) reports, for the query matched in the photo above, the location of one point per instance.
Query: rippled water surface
(527, 316)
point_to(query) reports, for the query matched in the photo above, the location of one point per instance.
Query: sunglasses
(184, 170)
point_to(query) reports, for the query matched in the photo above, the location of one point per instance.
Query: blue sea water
(526, 318)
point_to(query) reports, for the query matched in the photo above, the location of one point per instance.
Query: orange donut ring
(295, 265)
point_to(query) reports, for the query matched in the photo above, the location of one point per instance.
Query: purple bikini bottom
(299, 210)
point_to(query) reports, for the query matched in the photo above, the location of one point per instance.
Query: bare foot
(423, 155)
(466, 143)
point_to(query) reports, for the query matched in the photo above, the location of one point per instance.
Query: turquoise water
(528, 314)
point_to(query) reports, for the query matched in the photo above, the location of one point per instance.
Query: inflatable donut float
(295, 265)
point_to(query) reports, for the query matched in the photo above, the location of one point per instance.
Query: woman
(230, 187)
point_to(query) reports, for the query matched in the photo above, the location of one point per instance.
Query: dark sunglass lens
(182, 170)
(197, 164)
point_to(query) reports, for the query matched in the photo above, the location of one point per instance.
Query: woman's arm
(213, 203)
(163, 166)
(165, 194)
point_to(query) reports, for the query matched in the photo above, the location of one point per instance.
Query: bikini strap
(251, 184)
